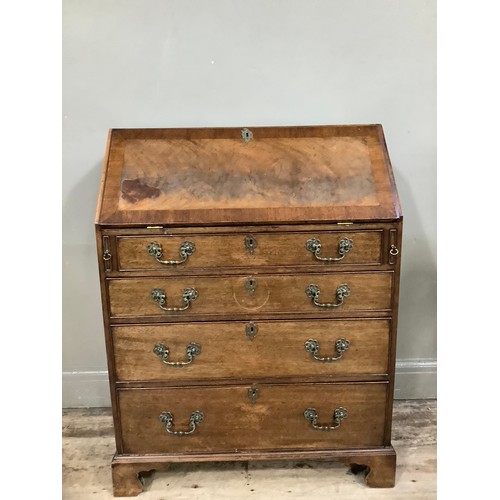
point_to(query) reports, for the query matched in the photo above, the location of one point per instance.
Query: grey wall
(165, 63)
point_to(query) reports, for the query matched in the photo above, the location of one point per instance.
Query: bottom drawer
(232, 421)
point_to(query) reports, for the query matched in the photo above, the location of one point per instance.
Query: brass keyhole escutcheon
(250, 285)
(251, 330)
(251, 293)
(253, 394)
(250, 244)
(246, 135)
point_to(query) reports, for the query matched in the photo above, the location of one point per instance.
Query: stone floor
(88, 446)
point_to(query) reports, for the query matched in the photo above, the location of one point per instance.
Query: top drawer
(321, 248)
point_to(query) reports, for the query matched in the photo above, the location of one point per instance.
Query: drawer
(137, 253)
(231, 421)
(246, 350)
(244, 295)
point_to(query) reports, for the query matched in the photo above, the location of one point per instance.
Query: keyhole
(246, 135)
(250, 285)
(253, 394)
(250, 244)
(251, 330)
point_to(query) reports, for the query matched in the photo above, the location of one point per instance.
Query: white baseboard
(415, 379)
(85, 389)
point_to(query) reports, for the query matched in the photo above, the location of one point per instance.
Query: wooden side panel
(220, 296)
(278, 349)
(100, 247)
(232, 422)
(230, 250)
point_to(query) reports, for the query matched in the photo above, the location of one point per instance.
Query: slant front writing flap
(240, 175)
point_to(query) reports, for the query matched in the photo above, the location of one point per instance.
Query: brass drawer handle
(162, 351)
(189, 295)
(168, 419)
(313, 291)
(314, 246)
(185, 250)
(394, 250)
(341, 346)
(338, 415)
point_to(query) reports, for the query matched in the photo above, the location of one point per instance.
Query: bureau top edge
(246, 176)
(302, 226)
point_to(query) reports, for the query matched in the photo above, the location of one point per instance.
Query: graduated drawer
(245, 350)
(136, 253)
(232, 421)
(233, 294)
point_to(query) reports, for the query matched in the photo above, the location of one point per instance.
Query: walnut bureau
(249, 284)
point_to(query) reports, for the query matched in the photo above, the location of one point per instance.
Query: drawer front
(136, 253)
(231, 421)
(260, 294)
(246, 350)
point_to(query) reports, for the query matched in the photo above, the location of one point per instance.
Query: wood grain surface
(277, 350)
(227, 173)
(276, 249)
(232, 422)
(284, 174)
(222, 296)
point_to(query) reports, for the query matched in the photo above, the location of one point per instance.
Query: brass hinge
(345, 223)
(154, 227)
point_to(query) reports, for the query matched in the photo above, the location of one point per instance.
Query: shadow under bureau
(249, 284)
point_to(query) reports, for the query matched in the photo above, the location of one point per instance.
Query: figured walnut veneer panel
(264, 173)
(284, 174)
